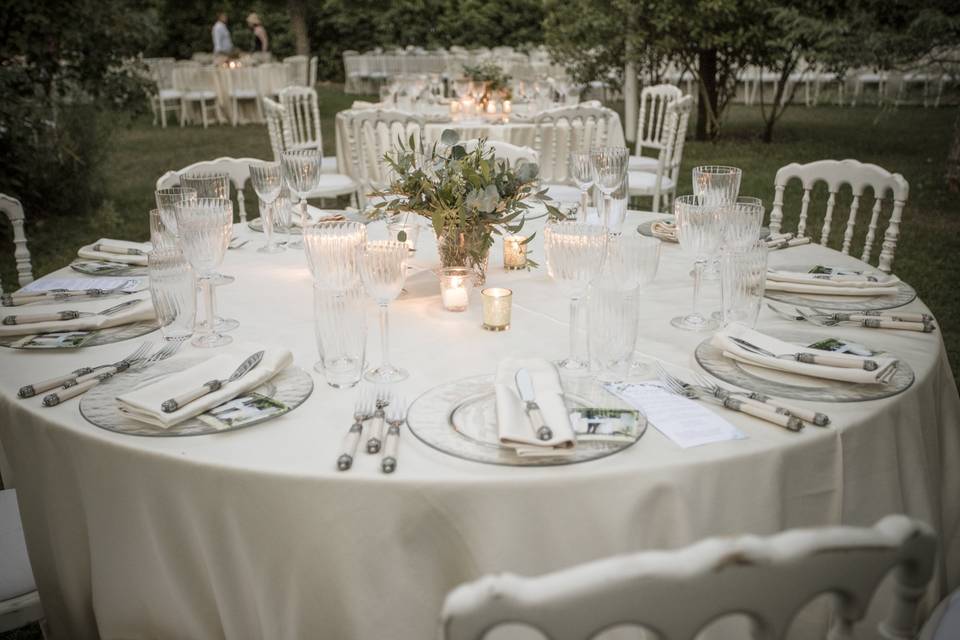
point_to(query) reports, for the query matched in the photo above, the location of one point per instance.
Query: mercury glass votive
(497, 303)
(514, 252)
(455, 283)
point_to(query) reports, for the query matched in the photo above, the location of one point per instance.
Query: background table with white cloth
(255, 534)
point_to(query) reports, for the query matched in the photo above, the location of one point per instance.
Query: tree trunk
(953, 159)
(298, 25)
(630, 100)
(707, 104)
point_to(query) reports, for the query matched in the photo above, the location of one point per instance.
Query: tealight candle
(514, 252)
(507, 106)
(454, 107)
(454, 288)
(491, 108)
(497, 303)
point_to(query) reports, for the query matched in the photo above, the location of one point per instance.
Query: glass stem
(384, 335)
(208, 306)
(607, 205)
(303, 213)
(576, 354)
(584, 203)
(697, 277)
(268, 225)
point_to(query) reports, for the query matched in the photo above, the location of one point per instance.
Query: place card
(132, 284)
(685, 422)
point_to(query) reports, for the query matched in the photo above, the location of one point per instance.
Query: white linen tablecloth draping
(254, 534)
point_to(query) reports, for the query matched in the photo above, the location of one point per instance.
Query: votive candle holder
(497, 304)
(514, 252)
(455, 283)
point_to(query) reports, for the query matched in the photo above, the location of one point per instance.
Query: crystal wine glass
(211, 185)
(575, 254)
(581, 172)
(301, 171)
(267, 179)
(741, 223)
(717, 185)
(334, 251)
(167, 200)
(609, 171)
(699, 234)
(383, 268)
(204, 228)
(283, 214)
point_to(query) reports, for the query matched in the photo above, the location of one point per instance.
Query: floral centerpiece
(496, 83)
(468, 196)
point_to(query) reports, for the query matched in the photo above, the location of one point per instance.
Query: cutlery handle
(376, 433)
(30, 390)
(389, 462)
(900, 316)
(27, 318)
(813, 417)
(905, 325)
(16, 302)
(836, 361)
(171, 405)
(540, 427)
(55, 398)
(350, 442)
(791, 423)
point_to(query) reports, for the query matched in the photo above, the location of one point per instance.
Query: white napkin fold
(722, 340)
(88, 253)
(833, 285)
(134, 313)
(512, 422)
(143, 404)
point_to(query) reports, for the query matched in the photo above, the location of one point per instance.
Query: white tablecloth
(254, 534)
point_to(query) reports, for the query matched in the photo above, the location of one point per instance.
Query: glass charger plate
(784, 385)
(646, 229)
(905, 294)
(459, 418)
(292, 387)
(99, 338)
(256, 224)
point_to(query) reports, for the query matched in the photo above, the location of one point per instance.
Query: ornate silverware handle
(55, 398)
(171, 405)
(539, 424)
(350, 443)
(30, 390)
(375, 440)
(836, 361)
(28, 318)
(791, 423)
(814, 417)
(389, 462)
(903, 325)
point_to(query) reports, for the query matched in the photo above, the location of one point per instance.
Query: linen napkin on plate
(832, 285)
(134, 313)
(143, 404)
(722, 340)
(515, 428)
(664, 230)
(114, 251)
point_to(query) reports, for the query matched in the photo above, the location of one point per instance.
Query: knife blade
(525, 388)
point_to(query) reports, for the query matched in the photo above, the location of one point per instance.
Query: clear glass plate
(99, 338)
(905, 294)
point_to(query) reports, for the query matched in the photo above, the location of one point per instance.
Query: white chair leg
(203, 111)
(163, 115)
(183, 112)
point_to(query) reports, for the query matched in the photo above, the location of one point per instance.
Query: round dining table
(254, 533)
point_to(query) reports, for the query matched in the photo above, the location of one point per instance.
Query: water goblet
(383, 268)
(718, 185)
(699, 234)
(166, 202)
(581, 172)
(743, 278)
(301, 171)
(207, 185)
(267, 180)
(161, 235)
(334, 251)
(741, 223)
(205, 227)
(575, 254)
(173, 290)
(609, 171)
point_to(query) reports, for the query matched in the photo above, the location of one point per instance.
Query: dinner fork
(376, 436)
(363, 410)
(687, 390)
(869, 322)
(29, 318)
(30, 390)
(396, 416)
(85, 383)
(762, 401)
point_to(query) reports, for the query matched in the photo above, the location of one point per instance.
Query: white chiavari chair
(198, 87)
(13, 210)
(511, 153)
(564, 130)
(661, 184)
(301, 122)
(373, 133)
(242, 86)
(19, 600)
(859, 175)
(237, 168)
(167, 97)
(273, 113)
(297, 70)
(677, 593)
(651, 123)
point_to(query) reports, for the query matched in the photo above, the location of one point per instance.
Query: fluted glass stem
(385, 335)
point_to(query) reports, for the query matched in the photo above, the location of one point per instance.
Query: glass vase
(468, 248)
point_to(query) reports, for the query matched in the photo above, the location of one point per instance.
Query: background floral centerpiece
(495, 81)
(468, 196)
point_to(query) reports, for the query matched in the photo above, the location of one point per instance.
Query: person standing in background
(222, 44)
(260, 42)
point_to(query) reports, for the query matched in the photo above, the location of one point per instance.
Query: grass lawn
(911, 141)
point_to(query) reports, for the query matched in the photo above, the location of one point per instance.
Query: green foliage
(491, 74)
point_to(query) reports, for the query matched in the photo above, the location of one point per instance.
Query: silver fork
(869, 321)
(85, 383)
(27, 318)
(30, 390)
(681, 388)
(363, 410)
(396, 416)
(762, 401)
(376, 436)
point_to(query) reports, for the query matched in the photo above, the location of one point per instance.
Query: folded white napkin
(832, 285)
(89, 253)
(512, 422)
(722, 340)
(143, 404)
(134, 313)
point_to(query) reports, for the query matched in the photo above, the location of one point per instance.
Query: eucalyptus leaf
(449, 137)
(458, 152)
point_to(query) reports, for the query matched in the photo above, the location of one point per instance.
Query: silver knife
(527, 394)
(171, 405)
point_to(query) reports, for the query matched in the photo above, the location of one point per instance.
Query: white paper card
(685, 422)
(78, 284)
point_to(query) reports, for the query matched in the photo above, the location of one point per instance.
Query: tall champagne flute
(609, 171)
(267, 179)
(205, 227)
(383, 268)
(699, 234)
(581, 172)
(575, 254)
(301, 171)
